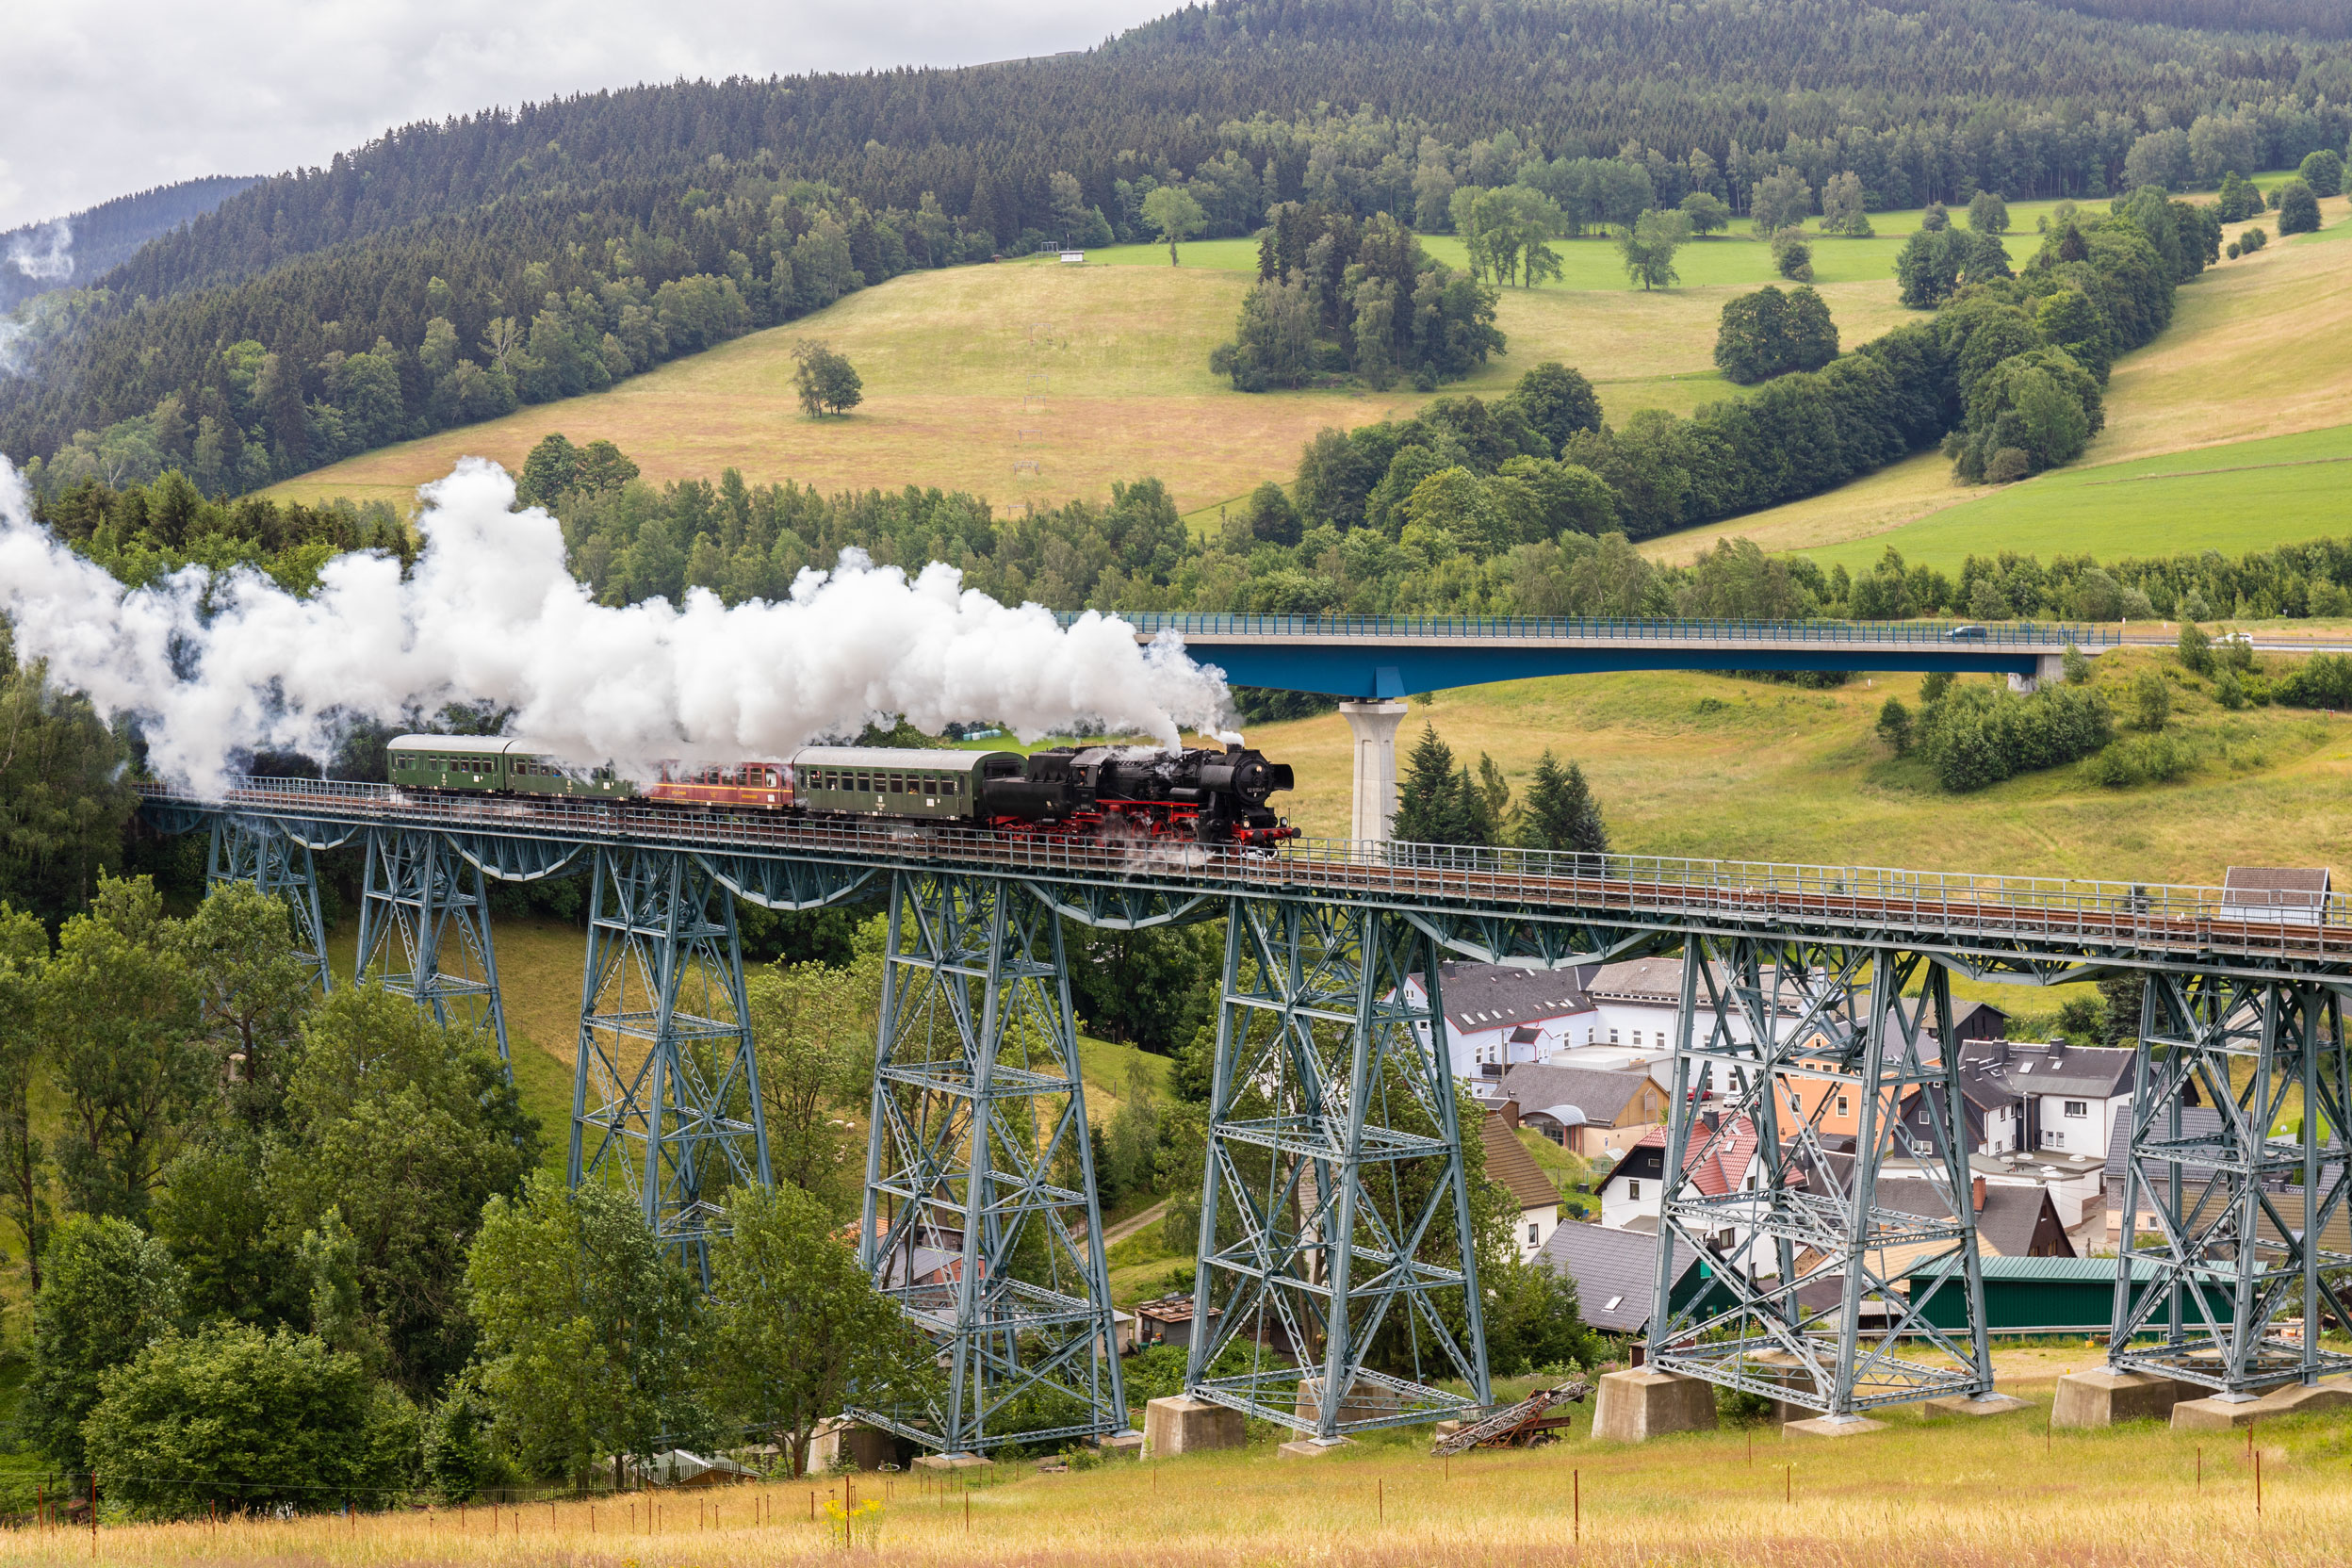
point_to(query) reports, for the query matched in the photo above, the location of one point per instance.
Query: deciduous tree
(797, 1331)
(590, 1329)
(108, 1292)
(403, 1129)
(1174, 216)
(1647, 248)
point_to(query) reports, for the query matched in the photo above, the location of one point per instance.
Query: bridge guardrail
(2050, 637)
(2026, 909)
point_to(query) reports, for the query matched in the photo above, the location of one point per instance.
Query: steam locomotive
(1196, 795)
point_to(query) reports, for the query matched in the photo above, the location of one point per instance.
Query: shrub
(1982, 734)
(2253, 240)
(2152, 701)
(1792, 256)
(2298, 208)
(237, 1418)
(2008, 465)
(2232, 252)
(2196, 649)
(2141, 759)
(1894, 726)
(2077, 667)
(2325, 680)
(2229, 691)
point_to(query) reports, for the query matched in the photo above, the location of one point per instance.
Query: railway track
(2043, 920)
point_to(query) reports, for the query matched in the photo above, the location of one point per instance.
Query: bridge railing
(2025, 908)
(2048, 636)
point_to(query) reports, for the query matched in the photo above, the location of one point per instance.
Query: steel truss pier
(665, 1087)
(423, 906)
(981, 1217)
(263, 852)
(1801, 1243)
(2235, 1155)
(1336, 1223)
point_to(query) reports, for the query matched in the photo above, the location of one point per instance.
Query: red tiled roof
(1716, 1163)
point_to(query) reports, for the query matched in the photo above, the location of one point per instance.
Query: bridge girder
(1805, 1261)
(1334, 1212)
(424, 930)
(981, 1216)
(2248, 1213)
(665, 1084)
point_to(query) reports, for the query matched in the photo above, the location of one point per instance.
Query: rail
(2050, 637)
(2061, 916)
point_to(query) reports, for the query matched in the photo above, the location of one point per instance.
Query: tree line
(589, 238)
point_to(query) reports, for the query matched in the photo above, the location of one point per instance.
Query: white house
(1718, 1160)
(1497, 1015)
(1508, 1163)
(2074, 1096)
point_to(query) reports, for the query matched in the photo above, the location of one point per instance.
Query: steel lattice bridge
(1337, 1275)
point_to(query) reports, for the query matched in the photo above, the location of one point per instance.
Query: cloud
(109, 98)
(490, 614)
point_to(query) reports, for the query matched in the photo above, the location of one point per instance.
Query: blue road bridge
(1371, 663)
(1335, 1278)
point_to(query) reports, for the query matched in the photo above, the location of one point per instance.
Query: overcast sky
(105, 97)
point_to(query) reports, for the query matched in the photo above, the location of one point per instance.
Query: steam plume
(46, 255)
(489, 614)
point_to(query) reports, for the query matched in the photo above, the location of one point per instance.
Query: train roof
(473, 746)
(942, 760)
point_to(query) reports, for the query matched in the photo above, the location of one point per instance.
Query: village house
(1508, 1163)
(1496, 1016)
(1594, 1113)
(1722, 1156)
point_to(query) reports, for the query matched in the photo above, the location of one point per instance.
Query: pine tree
(1559, 813)
(1429, 798)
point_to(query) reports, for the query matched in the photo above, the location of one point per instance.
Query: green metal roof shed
(2054, 1295)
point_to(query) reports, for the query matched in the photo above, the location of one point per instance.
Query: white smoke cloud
(490, 614)
(46, 255)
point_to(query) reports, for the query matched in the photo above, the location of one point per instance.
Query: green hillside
(1711, 767)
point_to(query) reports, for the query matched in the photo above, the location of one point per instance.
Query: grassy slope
(539, 978)
(2254, 353)
(1121, 345)
(1706, 766)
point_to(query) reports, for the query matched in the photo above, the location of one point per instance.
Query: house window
(1796, 1105)
(1612, 1037)
(1842, 1109)
(1633, 1188)
(2054, 1139)
(2078, 1107)
(1532, 1236)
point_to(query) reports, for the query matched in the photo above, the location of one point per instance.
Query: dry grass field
(1120, 359)
(1998, 1493)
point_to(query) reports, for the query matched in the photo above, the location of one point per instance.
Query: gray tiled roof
(1489, 996)
(1615, 1271)
(2006, 1223)
(1600, 1094)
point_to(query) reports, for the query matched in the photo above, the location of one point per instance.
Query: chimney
(1978, 1189)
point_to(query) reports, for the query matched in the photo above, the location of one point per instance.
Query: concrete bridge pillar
(1373, 727)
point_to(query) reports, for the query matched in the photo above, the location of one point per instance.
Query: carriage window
(947, 787)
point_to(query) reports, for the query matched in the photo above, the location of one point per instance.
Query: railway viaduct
(1335, 1221)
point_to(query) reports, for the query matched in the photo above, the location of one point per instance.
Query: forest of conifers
(448, 271)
